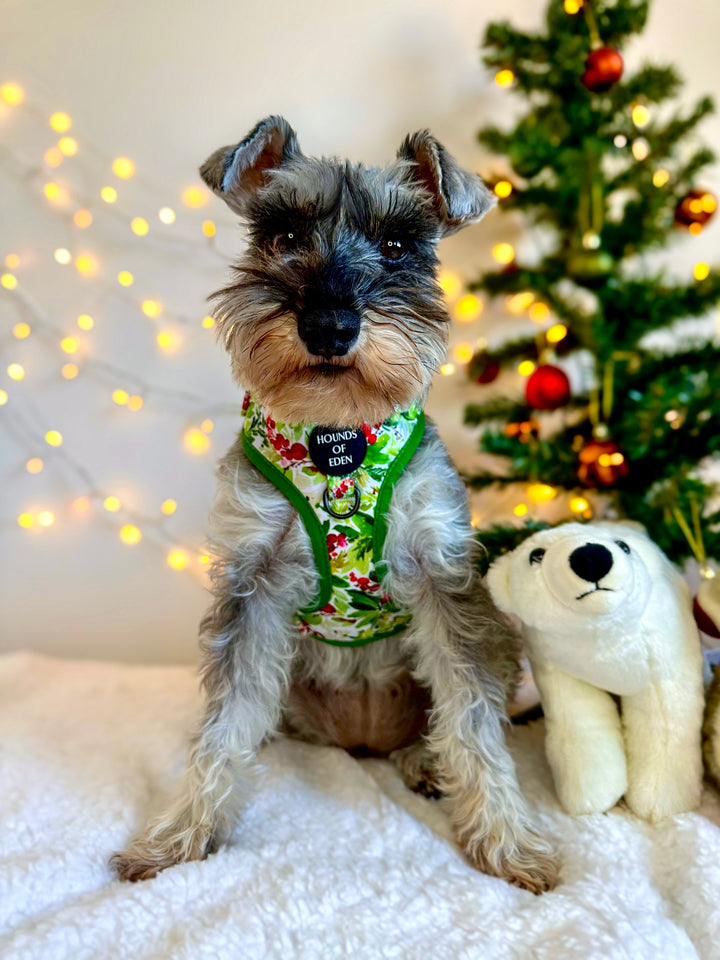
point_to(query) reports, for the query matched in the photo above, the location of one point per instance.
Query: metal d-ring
(341, 516)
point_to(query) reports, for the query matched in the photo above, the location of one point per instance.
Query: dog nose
(591, 562)
(329, 333)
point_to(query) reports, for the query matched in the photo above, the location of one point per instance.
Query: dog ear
(497, 580)
(235, 173)
(459, 197)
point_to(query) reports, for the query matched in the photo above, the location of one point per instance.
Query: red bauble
(483, 368)
(602, 463)
(547, 388)
(704, 622)
(603, 68)
(697, 206)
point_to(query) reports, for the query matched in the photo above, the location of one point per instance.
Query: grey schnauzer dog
(334, 315)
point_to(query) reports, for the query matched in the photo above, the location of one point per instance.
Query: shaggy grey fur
(458, 647)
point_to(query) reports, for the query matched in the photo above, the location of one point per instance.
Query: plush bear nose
(591, 562)
(329, 333)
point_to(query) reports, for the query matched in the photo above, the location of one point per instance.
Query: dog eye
(393, 249)
(287, 240)
(536, 555)
(623, 546)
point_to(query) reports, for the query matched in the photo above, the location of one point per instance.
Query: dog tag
(336, 452)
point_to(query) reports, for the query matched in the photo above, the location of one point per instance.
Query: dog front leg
(247, 640)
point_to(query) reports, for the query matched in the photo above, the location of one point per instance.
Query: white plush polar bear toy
(605, 612)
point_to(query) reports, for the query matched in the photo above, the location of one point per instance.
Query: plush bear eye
(623, 546)
(536, 555)
(393, 249)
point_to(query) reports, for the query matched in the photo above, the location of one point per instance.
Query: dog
(334, 316)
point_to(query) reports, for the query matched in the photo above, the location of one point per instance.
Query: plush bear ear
(459, 197)
(498, 582)
(235, 173)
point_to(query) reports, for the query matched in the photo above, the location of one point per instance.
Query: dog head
(334, 314)
(560, 579)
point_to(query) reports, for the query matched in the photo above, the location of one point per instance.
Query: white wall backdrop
(165, 84)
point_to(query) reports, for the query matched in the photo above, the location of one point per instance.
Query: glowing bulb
(695, 229)
(87, 265)
(579, 505)
(520, 302)
(56, 194)
(541, 492)
(640, 115)
(46, 518)
(16, 371)
(463, 352)
(112, 504)
(53, 157)
(177, 559)
(166, 215)
(204, 558)
(450, 284)
(34, 465)
(12, 261)
(503, 189)
(701, 271)
(208, 228)
(135, 403)
(8, 281)
(447, 369)
(708, 203)
(526, 368)
(26, 520)
(196, 441)
(123, 167)
(125, 278)
(54, 438)
(556, 333)
(120, 397)
(3, 397)
(63, 256)
(139, 226)
(69, 345)
(468, 308)
(503, 78)
(60, 122)
(660, 178)
(640, 148)
(81, 504)
(12, 94)
(82, 219)
(130, 534)
(520, 509)
(503, 252)
(69, 371)
(168, 340)
(85, 321)
(109, 194)
(208, 322)
(151, 308)
(620, 140)
(539, 312)
(194, 197)
(168, 507)
(573, 6)
(68, 146)
(207, 426)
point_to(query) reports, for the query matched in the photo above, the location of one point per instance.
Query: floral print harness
(345, 516)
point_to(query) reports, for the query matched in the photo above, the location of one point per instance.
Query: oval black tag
(337, 451)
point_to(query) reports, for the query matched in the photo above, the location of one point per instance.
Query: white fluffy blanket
(334, 857)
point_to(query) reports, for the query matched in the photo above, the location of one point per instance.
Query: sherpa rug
(334, 857)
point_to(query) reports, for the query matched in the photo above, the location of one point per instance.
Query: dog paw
(529, 863)
(147, 857)
(417, 767)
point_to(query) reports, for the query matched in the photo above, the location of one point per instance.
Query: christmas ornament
(589, 265)
(483, 368)
(524, 430)
(547, 388)
(706, 605)
(696, 207)
(603, 69)
(602, 463)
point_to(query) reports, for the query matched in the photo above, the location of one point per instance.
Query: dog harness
(340, 481)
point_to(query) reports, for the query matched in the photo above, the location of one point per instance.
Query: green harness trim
(349, 609)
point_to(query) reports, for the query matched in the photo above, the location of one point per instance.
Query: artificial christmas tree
(600, 166)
